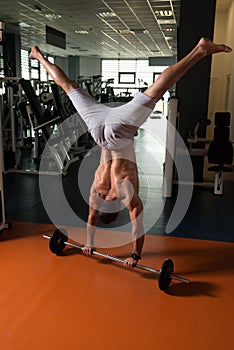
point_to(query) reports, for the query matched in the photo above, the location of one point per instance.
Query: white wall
(230, 40)
(221, 97)
(90, 66)
(62, 62)
(223, 67)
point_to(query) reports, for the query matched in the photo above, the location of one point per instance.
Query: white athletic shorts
(112, 127)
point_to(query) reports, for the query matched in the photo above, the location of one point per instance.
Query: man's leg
(54, 71)
(173, 73)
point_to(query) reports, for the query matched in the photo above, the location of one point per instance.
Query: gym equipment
(2, 28)
(46, 121)
(220, 151)
(4, 224)
(58, 241)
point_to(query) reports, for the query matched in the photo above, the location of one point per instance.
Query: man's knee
(69, 85)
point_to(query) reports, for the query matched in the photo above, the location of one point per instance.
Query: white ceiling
(136, 30)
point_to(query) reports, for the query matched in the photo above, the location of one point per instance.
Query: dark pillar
(11, 54)
(73, 67)
(196, 20)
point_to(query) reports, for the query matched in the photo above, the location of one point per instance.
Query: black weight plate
(57, 241)
(165, 278)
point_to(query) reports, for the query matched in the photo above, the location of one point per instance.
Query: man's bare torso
(116, 167)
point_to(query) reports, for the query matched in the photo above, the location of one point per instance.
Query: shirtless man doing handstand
(116, 178)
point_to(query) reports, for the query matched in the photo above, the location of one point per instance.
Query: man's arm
(91, 223)
(136, 217)
(135, 208)
(91, 229)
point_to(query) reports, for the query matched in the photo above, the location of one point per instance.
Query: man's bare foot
(34, 52)
(208, 47)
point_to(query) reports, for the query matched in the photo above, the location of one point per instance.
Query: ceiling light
(169, 38)
(107, 14)
(100, 42)
(164, 13)
(38, 32)
(24, 25)
(81, 32)
(166, 21)
(169, 30)
(124, 31)
(52, 16)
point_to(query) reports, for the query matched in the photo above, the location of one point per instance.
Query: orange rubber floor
(77, 302)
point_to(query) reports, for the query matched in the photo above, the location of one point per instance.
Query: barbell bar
(58, 241)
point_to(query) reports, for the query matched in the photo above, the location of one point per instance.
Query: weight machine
(219, 150)
(99, 89)
(61, 142)
(29, 120)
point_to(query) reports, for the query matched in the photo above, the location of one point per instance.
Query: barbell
(59, 240)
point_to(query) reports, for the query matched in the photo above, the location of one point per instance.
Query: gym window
(127, 78)
(129, 74)
(32, 69)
